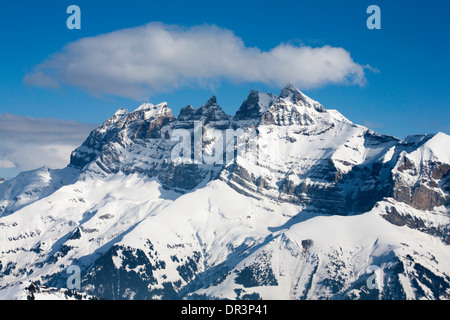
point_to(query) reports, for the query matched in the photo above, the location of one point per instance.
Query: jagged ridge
(309, 202)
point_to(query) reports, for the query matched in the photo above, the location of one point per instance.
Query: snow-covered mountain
(284, 200)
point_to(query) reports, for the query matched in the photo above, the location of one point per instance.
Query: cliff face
(284, 200)
(430, 187)
(299, 152)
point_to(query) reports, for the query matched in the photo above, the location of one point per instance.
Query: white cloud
(7, 164)
(40, 79)
(156, 57)
(372, 125)
(29, 143)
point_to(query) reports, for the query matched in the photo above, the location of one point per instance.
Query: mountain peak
(144, 106)
(255, 105)
(273, 194)
(289, 90)
(186, 113)
(154, 111)
(211, 101)
(291, 94)
(209, 112)
(212, 112)
(434, 148)
(120, 113)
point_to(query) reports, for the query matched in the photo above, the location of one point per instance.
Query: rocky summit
(284, 200)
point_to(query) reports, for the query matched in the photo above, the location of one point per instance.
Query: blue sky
(409, 93)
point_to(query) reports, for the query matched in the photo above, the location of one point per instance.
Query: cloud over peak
(138, 62)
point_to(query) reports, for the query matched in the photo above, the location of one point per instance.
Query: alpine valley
(309, 206)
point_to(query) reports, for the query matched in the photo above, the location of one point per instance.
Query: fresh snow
(435, 149)
(265, 101)
(227, 238)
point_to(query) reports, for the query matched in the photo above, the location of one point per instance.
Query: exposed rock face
(181, 177)
(411, 220)
(296, 97)
(349, 176)
(306, 204)
(209, 113)
(123, 128)
(427, 192)
(140, 142)
(293, 108)
(420, 178)
(256, 104)
(187, 113)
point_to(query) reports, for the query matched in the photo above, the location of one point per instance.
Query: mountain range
(283, 200)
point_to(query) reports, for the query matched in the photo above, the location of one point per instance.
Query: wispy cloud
(372, 125)
(29, 143)
(156, 57)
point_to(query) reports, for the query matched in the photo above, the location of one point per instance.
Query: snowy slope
(311, 207)
(31, 186)
(332, 257)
